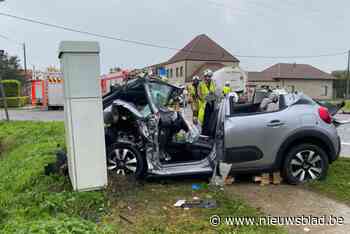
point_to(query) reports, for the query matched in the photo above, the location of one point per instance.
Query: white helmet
(208, 73)
(227, 83)
(195, 78)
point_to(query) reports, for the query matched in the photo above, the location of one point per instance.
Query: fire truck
(47, 87)
(54, 90)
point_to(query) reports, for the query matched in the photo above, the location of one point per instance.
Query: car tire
(125, 159)
(304, 163)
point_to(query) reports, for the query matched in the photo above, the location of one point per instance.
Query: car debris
(60, 166)
(196, 203)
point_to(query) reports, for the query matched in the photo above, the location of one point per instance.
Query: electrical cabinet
(80, 65)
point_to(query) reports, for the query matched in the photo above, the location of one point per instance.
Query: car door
(252, 140)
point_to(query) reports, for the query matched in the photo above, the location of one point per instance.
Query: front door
(252, 140)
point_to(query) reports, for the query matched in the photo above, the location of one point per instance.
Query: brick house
(295, 77)
(198, 55)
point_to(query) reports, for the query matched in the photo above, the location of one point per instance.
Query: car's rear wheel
(124, 159)
(305, 162)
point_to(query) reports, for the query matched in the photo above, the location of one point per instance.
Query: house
(295, 77)
(198, 55)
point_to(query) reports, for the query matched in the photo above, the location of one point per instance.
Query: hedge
(12, 88)
(15, 101)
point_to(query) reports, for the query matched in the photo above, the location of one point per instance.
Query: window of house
(325, 90)
(177, 72)
(181, 71)
(171, 72)
(167, 73)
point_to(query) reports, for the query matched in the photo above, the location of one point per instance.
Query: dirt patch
(292, 201)
(148, 207)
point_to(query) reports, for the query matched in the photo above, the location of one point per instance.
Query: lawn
(337, 183)
(31, 202)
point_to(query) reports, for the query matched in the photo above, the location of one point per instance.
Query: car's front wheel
(305, 162)
(125, 159)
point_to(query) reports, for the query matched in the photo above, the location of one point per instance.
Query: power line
(153, 45)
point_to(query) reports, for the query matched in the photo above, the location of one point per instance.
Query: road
(294, 201)
(39, 115)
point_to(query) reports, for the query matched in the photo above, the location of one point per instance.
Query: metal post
(2, 90)
(347, 76)
(25, 59)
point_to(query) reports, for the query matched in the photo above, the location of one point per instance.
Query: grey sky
(243, 27)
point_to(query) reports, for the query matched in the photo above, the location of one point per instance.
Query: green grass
(347, 106)
(337, 183)
(31, 202)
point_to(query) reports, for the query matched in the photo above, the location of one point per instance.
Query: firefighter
(206, 87)
(227, 89)
(193, 92)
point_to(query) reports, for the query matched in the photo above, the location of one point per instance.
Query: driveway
(287, 200)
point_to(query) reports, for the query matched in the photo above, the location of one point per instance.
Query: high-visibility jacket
(226, 90)
(194, 99)
(204, 90)
(192, 91)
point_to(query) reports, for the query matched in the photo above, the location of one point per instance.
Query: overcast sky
(243, 27)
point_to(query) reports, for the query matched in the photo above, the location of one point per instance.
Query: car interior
(254, 107)
(184, 150)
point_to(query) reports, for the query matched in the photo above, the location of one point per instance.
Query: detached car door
(252, 140)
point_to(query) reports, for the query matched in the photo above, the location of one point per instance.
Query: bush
(15, 101)
(12, 88)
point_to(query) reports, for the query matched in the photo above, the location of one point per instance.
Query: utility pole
(2, 90)
(25, 59)
(347, 76)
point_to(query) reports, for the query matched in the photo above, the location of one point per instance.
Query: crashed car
(147, 135)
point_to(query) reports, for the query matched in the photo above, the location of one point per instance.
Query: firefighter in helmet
(206, 87)
(227, 89)
(193, 91)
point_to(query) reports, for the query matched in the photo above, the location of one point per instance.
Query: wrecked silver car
(146, 134)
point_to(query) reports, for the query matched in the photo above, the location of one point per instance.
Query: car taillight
(324, 115)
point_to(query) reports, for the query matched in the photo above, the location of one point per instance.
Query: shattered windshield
(160, 93)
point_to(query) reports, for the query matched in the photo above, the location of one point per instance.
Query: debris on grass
(196, 203)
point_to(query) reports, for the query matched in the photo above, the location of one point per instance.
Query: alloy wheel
(123, 161)
(306, 165)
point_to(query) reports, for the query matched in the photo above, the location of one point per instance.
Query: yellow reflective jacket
(204, 89)
(226, 90)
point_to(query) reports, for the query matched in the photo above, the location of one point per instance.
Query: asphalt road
(39, 115)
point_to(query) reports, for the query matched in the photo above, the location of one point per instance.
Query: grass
(31, 202)
(148, 208)
(347, 106)
(337, 183)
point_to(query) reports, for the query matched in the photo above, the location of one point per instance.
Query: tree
(341, 74)
(10, 68)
